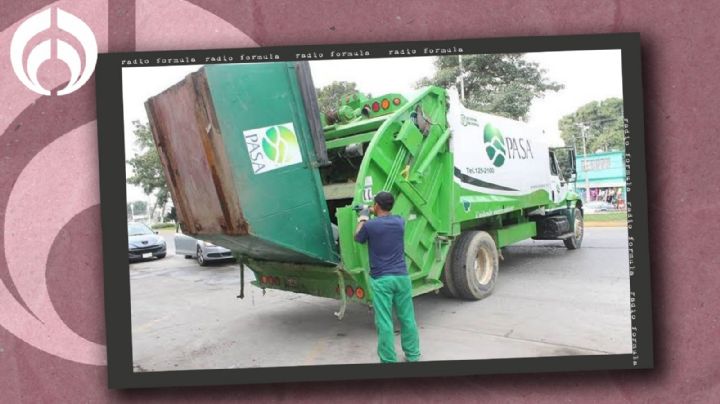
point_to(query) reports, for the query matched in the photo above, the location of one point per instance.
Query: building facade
(601, 176)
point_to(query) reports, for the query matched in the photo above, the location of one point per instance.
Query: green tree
(330, 95)
(603, 121)
(147, 171)
(171, 216)
(136, 208)
(502, 84)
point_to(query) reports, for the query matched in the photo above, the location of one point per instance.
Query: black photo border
(113, 218)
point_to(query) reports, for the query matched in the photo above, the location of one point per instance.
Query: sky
(587, 76)
(139, 84)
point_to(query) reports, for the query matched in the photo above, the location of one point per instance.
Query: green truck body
(252, 165)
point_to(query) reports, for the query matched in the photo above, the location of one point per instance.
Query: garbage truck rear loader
(253, 166)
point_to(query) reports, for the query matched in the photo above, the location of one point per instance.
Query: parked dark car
(143, 243)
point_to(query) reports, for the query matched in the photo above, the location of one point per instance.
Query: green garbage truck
(254, 166)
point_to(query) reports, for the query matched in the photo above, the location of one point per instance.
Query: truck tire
(474, 265)
(574, 242)
(448, 289)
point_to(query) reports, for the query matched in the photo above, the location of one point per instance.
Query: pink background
(51, 263)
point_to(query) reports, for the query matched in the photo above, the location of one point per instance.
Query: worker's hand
(364, 214)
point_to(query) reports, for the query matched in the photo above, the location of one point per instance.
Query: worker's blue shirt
(384, 235)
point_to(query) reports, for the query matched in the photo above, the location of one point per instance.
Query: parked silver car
(598, 206)
(203, 251)
(144, 243)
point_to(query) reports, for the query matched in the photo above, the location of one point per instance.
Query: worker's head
(384, 202)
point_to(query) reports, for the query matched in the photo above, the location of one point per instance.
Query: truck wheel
(474, 265)
(574, 242)
(448, 289)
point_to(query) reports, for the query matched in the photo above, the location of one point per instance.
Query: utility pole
(147, 209)
(584, 127)
(583, 132)
(462, 80)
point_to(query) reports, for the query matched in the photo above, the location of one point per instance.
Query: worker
(390, 283)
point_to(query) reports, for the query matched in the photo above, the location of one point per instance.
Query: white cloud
(587, 76)
(375, 76)
(139, 84)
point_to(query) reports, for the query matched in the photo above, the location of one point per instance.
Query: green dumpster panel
(259, 163)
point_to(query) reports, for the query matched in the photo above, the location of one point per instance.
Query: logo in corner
(27, 70)
(494, 145)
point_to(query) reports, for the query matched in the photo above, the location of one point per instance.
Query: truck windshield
(553, 164)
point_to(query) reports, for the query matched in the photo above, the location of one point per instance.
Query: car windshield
(138, 229)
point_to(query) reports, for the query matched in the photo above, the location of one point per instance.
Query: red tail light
(396, 101)
(385, 103)
(376, 106)
(349, 291)
(264, 279)
(360, 293)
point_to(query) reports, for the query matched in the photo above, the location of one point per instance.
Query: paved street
(548, 301)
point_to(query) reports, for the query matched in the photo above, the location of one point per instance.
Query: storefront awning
(602, 184)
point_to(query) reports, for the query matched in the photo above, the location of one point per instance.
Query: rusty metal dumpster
(242, 168)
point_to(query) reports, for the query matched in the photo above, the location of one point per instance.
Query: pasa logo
(280, 145)
(27, 71)
(272, 147)
(494, 145)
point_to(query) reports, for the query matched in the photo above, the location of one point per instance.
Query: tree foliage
(136, 208)
(147, 171)
(604, 125)
(171, 216)
(502, 84)
(330, 95)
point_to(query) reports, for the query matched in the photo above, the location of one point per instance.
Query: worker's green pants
(389, 291)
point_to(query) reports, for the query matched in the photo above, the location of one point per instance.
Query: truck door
(563, 173)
